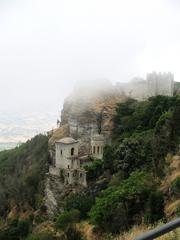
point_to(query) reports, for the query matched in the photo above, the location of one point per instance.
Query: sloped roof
(67, 140)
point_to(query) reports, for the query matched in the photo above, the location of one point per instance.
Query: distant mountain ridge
(18, 128)
(8, 145)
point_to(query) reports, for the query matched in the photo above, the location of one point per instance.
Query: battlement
(163, 75)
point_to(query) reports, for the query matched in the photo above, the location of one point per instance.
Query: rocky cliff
(88, 111)
(90, 108)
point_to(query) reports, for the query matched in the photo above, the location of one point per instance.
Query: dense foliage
(132, 168)
(41, 236)
(133, 116)
(67, 218)
(82, 201)
(144, 133)
(94, 170)
(66, 222)
(119, 207)
(17, 229)
(175, 187)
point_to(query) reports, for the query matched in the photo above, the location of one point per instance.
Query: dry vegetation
(138, 230)
(90, 234)
(172, 204)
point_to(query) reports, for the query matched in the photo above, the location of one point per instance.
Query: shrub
(155, 207)
(117, 207)
(67, 219)
(117, 178)
(73, 234)
(23, 228)
(108, 157)
(82, 201)
(94, 170)
(17, 229)
(175, 186)
(40, 236)
(40, 218)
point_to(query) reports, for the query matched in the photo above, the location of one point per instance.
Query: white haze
(46, 46)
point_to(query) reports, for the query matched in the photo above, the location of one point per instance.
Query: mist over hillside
(89, 119)
(18, 127)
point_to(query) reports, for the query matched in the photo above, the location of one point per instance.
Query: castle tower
(97, 145)
(160, 84)
(68, 161)
(66, 148)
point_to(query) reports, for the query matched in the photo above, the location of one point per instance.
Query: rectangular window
(98, 149)
(94, 149)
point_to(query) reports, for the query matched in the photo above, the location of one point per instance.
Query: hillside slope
(22, 172)
(136, 183)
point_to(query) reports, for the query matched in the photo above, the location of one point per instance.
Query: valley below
(17, 128)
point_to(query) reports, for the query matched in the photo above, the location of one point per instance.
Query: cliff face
(90, 107)
(55, 193)
(88, 113)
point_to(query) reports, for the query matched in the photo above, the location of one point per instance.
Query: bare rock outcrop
(88, 113)
(56, 192)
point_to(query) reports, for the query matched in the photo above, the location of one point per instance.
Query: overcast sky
(46, 46)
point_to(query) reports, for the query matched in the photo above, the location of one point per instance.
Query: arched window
(98, 149)
(72, 151)
(61, 152)
(94, 149)
(68, 175)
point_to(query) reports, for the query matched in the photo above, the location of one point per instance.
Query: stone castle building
(69, 164)
(155, 84)
(87, 121)
(160, 84)
(89, 129)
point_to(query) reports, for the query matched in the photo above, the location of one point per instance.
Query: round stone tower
(66, 148)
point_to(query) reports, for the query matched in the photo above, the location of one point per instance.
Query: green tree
(94, 170)
(117, 207)
(40, 236)
(67, 219)
(154, 207)
(82, 201)
(175, 187)
(66, 222)
(23, 228)
(108, 157)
